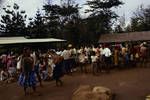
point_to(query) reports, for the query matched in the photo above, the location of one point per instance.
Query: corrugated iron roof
(16, 40)
(123, 37)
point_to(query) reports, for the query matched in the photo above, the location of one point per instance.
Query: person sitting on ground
(4, 74)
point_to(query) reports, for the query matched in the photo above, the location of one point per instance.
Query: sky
(31, 6)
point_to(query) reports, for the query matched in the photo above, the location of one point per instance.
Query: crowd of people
(32, 66)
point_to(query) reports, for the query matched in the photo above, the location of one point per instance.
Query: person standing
(107, 58)
(143, 54)
(37, 70)
(82, 62)
(27, 77)
(66, 55)
(58, 69)
(116, 56)
(94, 64)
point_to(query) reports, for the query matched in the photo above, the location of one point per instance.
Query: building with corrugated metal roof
(124, 37)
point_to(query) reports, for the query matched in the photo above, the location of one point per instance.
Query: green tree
(141, 19)
(69, 10)
(135, 25)
(70, 19)
(36, 28)
(52, 19)
(128, 28)
(118, 29)
(13, 22)
(101, 16)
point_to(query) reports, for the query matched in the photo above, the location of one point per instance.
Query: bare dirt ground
(129, 84)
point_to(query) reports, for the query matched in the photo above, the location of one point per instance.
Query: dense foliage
(62, 21)
(141, 19)
(13, 22)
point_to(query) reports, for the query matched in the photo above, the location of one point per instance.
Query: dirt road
(131, 84)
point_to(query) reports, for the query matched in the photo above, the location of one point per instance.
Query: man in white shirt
(107, 52)
(66, 55)
(59, 52)
(107, 58)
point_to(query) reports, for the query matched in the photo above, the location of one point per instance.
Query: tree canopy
(13, 22)
(141, 19)
(63, 21)
(100, 20)
(36, 27)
